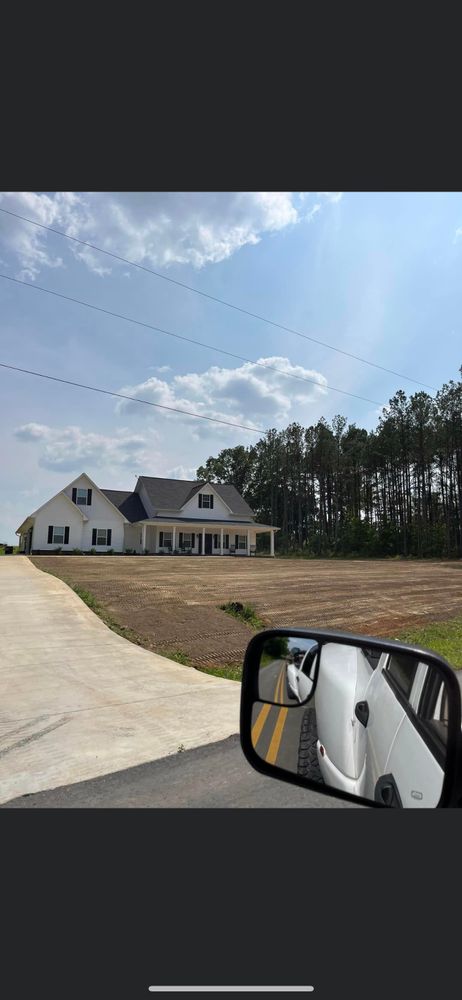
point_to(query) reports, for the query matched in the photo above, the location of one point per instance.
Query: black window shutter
(93, 537)
(236, 540)
(50, 533)
(211, 500)
(74, 494)
(89, 495)
(66, 536)
(161, 538)
(109, 535)
(193, 540)
(181, 539)
(200, 499)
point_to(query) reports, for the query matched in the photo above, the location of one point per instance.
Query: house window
(81, 497)
(101, 536)
(206, 500)
(167, 540)
(187, 540)
(58, 536)
(242, 541)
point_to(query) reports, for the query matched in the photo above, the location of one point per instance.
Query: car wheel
(308, 764)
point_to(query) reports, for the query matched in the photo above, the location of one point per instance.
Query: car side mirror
(359, 718)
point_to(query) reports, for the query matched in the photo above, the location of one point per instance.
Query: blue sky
(378, 275)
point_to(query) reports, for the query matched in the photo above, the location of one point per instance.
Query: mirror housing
(333, 670)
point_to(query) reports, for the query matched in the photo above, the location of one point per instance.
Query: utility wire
(133, 399)
(214, 298)
(188, 340)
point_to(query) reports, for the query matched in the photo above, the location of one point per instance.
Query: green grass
(444, 638)
(230, 671)
(244, 612)
(97, 608)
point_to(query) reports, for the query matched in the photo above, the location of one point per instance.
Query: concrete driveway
(78, 701)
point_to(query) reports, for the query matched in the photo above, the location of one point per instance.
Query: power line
(188, 340)
(214, 298)
(133, 399)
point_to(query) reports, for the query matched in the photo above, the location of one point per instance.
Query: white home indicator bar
(231, 989)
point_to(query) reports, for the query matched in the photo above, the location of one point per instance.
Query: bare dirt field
(172, 602)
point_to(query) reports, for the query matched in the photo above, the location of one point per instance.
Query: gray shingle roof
(129, 504)
(172, 494)
(233, 499)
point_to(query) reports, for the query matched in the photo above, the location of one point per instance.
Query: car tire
(308, 764)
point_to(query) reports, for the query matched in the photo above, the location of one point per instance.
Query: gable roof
(31, 517)
(129, 504)
(172, 494)
(206, 485)
(66, 497)
(97, 489)
(232, 498)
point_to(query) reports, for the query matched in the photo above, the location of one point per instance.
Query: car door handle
(362, 712)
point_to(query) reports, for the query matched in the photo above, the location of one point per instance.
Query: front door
(208, 544)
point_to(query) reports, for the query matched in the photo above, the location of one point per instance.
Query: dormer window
(81, 497)
(206, 500)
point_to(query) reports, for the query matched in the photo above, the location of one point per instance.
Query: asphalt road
(276, 728)
(211, 777)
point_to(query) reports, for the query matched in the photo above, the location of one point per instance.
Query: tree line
(338, 489)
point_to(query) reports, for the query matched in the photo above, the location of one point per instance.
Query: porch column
(272, 543)
(203, 541)
(173, 538)
(248, 541)
(221, 541)
(143, 535)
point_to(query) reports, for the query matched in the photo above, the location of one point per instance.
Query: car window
(402, 669)
(305, 663)
(434, 708)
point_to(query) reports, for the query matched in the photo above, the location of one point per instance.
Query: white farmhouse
(159, 516)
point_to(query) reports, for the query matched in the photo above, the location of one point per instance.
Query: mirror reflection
(362, 720)
(287, 668)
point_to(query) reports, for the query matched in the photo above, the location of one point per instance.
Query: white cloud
(332, 196)
(181, 472)
(162, 443)
(70, 449)
(27, 244)
(154, 228)
(458, 234)
(313, 211)
(151, 228)
(248, 394)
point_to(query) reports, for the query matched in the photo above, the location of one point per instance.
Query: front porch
(197, 539)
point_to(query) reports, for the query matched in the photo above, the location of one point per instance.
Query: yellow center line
(276, 737)
(278, 691)
(259, 723)
(262, 716)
